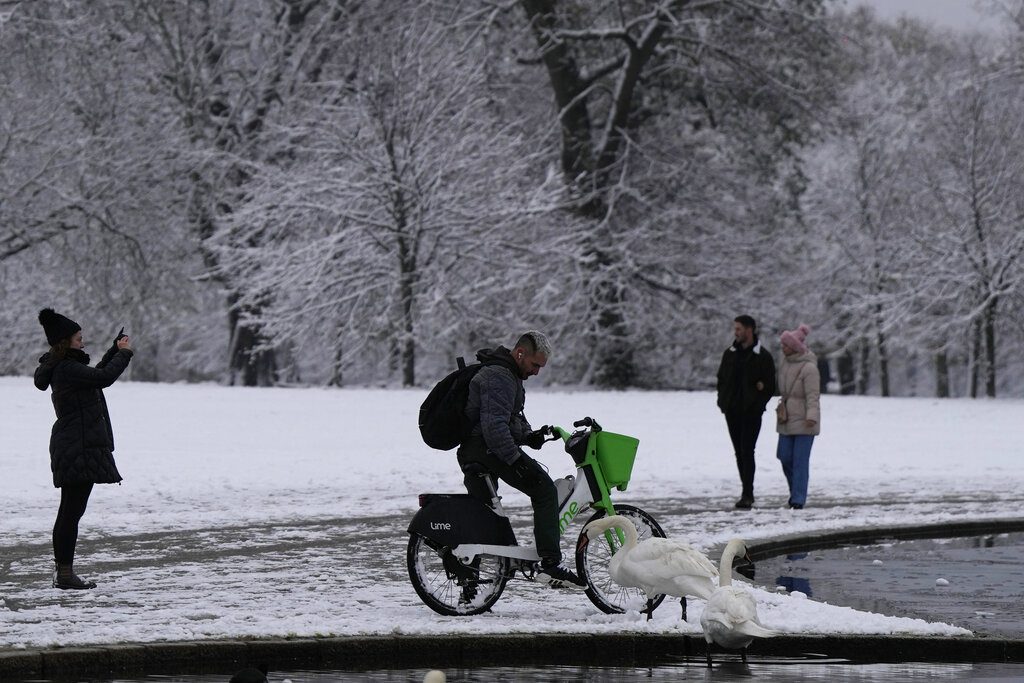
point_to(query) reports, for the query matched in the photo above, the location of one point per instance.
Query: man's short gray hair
(535, 342)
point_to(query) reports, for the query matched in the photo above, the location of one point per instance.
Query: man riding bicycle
(494, 411)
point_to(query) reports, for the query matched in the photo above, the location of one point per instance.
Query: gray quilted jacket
(495, 404)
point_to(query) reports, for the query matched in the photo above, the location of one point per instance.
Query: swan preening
(730, 617)
(656, 565)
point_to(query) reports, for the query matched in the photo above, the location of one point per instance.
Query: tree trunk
(336, 369)
(974, 352)
(252, 364)
(408, 343)
(615, 365)
(847, 374)
(145, 367)
(824, 374)
(405, 244)
(864, 367)
(989, 330)
(883, 364)
(942, 375)
(588, 167)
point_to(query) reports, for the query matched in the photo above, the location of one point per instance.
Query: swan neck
(725, 564)
(630, 533)
(625, 525)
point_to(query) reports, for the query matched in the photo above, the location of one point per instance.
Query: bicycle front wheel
(449, 587)
(592, 564)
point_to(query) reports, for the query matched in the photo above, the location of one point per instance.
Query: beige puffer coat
(800, 385)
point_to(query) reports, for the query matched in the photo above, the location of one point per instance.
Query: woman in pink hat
(798, 412)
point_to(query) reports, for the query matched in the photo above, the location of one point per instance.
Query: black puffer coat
(738, 374)
(82, 441)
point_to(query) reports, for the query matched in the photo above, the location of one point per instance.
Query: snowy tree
(973, 176)
(860, 196)
(383, 218)
(225, 68)
(644, 94)
(913, 195)
(82, 212)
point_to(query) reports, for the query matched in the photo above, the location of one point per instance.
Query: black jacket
(494, 407)
(81, 441)
(738, 374)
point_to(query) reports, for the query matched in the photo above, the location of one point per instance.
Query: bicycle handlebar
(587, 422)
(555, 432)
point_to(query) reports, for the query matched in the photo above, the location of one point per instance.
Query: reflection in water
(795, 583)
(765, 670)
(974, 582)
(730, 669)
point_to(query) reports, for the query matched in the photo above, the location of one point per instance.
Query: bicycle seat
(475, 468)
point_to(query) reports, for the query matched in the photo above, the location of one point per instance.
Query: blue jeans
(794, 452)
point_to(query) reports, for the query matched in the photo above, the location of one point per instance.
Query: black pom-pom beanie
(57, 326)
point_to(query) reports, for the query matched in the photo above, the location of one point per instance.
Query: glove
(113, 345)
(536, 438)
(524, 468)
(111, 352)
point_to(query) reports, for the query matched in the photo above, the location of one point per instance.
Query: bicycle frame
(462, 550)
(590, 489)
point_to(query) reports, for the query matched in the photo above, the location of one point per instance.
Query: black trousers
(535, 483)
(743, 430)
(73, 500)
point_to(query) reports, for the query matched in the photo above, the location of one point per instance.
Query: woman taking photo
(798, 412)
(81, 442)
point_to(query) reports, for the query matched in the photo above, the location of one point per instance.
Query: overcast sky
(947, 13)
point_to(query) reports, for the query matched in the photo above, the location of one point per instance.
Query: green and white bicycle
(462, 551)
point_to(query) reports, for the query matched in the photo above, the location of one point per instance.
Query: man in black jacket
(746, 382)
(494, 408)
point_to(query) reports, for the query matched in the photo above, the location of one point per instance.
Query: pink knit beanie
(794, 339)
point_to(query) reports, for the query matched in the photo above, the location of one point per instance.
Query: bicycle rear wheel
(592, 564)
(449, 587)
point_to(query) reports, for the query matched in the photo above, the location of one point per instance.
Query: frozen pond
(976, 582)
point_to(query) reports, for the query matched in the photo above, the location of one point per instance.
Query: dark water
(984, 589)
(693, 670)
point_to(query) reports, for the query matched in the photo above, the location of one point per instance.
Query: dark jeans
(535, 483)
(73, 499)
(743, 430)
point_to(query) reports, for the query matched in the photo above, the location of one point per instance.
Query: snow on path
(248, 512)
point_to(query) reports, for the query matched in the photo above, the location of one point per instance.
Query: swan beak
(581, 544)
(745, 566)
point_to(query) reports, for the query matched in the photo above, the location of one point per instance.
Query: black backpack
(443, 413)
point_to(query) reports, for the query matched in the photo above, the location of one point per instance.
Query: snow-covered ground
(250, 512)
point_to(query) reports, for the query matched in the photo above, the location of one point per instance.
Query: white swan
(656, 565)
(730, 617)
(435, 676)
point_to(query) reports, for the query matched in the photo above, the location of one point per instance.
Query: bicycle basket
(615, 454)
